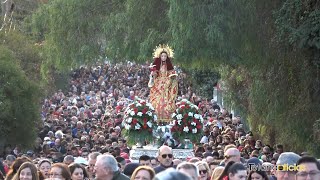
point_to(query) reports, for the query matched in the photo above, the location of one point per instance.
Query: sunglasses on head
(202, 171)
(165, 155)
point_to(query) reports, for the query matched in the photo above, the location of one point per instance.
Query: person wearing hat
(285, 162)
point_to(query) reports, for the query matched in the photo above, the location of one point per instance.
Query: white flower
(197, 116)
(149, 113)
(137, 126)
(209, 123)
(142, 101)
(177, 110)
(179, 122)
(193, 124)
(194, 130)
(186, 129)
(132, 113)
(201, 119)
(139, 113)
(179, 116)
(127, 126)
(129, 120)
(150, 106)
(149, 124)
(190, 114)
(173, 115)
(138, 104)
(184, 100)
(155, 117)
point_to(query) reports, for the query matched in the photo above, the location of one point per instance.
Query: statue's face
(163, 56)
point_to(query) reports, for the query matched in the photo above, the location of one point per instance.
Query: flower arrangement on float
(139, 122)
(187, 122)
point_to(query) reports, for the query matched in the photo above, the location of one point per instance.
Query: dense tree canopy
(19, 99)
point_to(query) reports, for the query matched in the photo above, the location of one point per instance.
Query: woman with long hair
(224, 174)
(60, 171)
(27, 171)
(15, 166)
(204, 170)
(78, 172)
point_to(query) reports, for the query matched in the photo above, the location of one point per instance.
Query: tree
(19, 99)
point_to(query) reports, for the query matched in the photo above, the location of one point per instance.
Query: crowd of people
(80, 137)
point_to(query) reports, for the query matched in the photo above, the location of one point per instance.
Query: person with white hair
(59, 134)
(106, 168)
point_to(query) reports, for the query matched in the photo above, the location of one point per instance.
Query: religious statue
(163, 83)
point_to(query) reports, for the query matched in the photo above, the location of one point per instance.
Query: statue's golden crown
(163, 48)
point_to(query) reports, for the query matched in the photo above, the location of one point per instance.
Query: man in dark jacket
(165, 157)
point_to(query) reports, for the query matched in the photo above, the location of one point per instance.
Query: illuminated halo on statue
(163, 48)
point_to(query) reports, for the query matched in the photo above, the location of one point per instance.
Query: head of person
(217, 172)
(237, 171)
(232, 154)
(69, 159)
(16, 165)
(163, 56)
(10, 159)
(253, 162)
(165, 156)
(105, 167)
(154, 162)
(145, 160)
(171, 174)
(189, 169)
(204, 170)
(209, 159)
(143, 173)
(121, 143)
(285, 160)
(60, 171)
(122, 162)
(44, 167)
(279, 148)
(258, 175)
(92, 161)
(130, 168)
(214, 164)
(309, 168)
(27, 171)
(78, 172)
